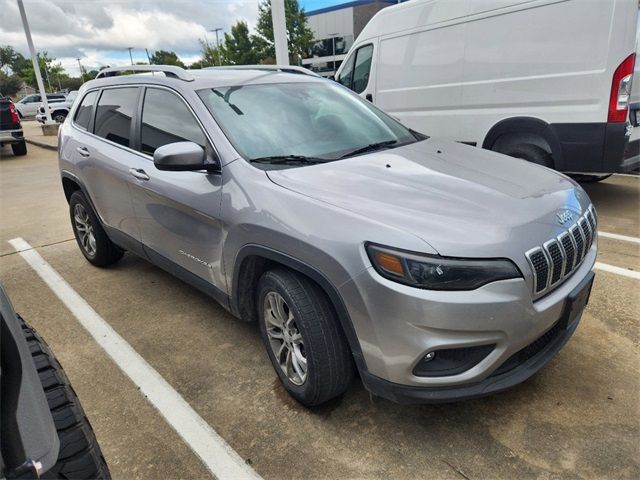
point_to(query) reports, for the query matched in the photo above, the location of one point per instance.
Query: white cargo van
(543, 80)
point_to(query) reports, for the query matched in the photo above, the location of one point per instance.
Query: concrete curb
(42, 144)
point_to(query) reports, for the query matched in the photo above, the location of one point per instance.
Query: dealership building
(335, 29)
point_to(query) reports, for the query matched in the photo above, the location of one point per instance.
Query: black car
(10, 127)
(44, 432)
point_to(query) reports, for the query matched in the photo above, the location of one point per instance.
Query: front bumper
(398, 325)
(41, 117)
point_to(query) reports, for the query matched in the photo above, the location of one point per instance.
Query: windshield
(312, 120)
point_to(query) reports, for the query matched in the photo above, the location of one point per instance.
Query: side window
(362, 68)
(83, 115)
(347, 72)
(166, 119)
(114, 113)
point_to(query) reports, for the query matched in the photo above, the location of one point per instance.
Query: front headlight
(433, 272)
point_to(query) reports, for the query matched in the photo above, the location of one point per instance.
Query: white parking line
(617, 270)
(615, 236)
(221, 460)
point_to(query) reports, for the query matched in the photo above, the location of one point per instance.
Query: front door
(177, 212)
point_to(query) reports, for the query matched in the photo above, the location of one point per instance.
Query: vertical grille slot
(557, 260)
(578, 238)
(592, 221)
(569, 251)
(586, 230)
(540, 266)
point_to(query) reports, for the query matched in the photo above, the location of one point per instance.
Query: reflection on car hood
(462, 200)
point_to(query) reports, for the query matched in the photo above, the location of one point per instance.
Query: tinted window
(166, 119)
(361, 71)
(114, 113)
(83, 115)
(345, 74)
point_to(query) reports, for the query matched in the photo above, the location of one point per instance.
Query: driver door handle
(83, 151)
(139, 173)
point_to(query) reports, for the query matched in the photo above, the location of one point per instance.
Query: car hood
(461, 200)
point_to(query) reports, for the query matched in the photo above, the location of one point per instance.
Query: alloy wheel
(85, 229)
(284, 338)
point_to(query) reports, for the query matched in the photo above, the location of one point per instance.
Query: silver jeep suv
(434, 270)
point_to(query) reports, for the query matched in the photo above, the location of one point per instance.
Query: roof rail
(268, 68)
(169, 71)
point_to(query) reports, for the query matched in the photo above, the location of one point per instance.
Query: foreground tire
(19, 149)
(80, 456)
(530, 153)
(303, 337)
(93, 241)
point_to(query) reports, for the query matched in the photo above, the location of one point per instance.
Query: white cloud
(97, 30)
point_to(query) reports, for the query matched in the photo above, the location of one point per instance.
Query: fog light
(429, 356)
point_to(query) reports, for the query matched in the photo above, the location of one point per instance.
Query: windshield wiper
(279, 159)
(370, 148)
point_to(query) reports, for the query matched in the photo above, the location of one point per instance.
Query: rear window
(114, 114)
(83, 115)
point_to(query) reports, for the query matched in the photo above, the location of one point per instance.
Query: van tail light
(14, 114)
(621, 90)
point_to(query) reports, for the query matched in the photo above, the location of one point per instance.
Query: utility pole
(81, 72)
(216, 30)
(280, 32)
(34, 60)
(148, 57)
(130, 56)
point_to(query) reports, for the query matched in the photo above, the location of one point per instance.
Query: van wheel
(19, 149)
(93, 241)
(303, 338)
(530, 153)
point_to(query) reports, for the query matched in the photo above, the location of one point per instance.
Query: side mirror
(179, 156)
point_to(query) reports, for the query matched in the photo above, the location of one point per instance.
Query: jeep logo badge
(564, 216)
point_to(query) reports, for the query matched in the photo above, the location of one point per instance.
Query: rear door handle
(139, 173)
(83, 151)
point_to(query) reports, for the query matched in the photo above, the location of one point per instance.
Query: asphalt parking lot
(578, 418)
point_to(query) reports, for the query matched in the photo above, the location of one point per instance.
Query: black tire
(590, 178)
(80, 456)
(528, 152)
(19, 149)
(59, 117)
(106, 252)
(330, 367)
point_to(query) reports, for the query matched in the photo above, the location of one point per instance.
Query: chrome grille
(560, 256)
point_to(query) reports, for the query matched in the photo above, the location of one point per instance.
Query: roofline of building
(354, 3)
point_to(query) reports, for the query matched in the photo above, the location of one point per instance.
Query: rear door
(178, 212)
(104, 158)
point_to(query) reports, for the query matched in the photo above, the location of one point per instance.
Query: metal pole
(34, 60)
(333, 37)
(130, 56)
(280, 32)
(81, 72)
(216, 30)
(148, 57)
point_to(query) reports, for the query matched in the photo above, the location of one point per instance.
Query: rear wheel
(93, 241)
(19, 149)
(303, 338)
(59, 116)
(528, 152)
(80, 456)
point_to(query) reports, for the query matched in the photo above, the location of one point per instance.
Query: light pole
(34, 60)
(130, 56)
(216, 30)
(333, 37)
(81, 72)
(280, 32)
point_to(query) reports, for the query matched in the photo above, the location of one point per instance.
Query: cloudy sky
(99, 31)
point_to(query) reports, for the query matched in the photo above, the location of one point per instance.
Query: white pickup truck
(59, 110)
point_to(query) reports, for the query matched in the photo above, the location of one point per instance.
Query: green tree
(209, 55)
(9, 84)
(164, 57)
(299, 35)
(7, 57)
(238, 47)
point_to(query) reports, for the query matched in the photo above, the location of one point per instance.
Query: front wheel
(19, 149)
(59, 117)
(590, 178)
(303, 337)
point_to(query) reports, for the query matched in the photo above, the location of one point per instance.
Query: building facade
(335, 30)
